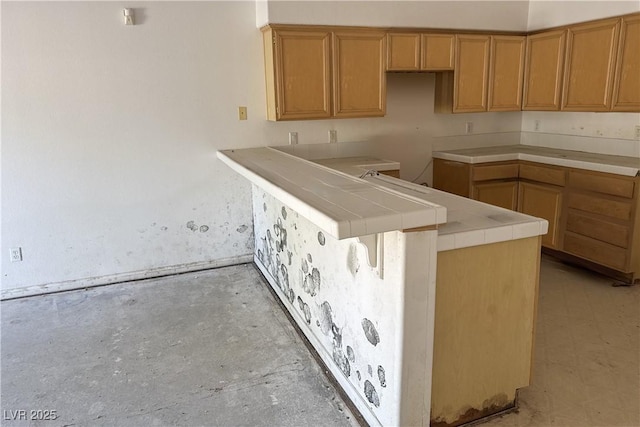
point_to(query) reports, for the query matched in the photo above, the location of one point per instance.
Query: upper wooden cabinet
(359, 83)
(298, 74)
(487, 77)
(543, 71)
(589, 66)
(313, 73)
(506, 69)
(626, 84)
(420, 51)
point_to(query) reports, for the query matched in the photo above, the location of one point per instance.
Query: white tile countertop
(628, 166)
(342, 205)
(469, 222)
(358, 165)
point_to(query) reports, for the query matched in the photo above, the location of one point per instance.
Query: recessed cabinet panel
(301, 68)
(470, 75)
(589, 66)
(505, 73)
(503, 194)
(545, 202)
(543, 71)
(626, 88)
(403, 52)
(437, 52)
(359, 83)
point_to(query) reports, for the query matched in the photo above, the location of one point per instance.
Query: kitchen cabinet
(506, 71)
(503, 194)
(359, 83)
(316, 73)
(470, 79)
(420, 51)
(298, 74)
(626, 86)
(590, 65)
(543, 201)
(487, 77)
(544, 61)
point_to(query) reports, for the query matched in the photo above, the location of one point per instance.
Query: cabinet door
(470, 75)
(543, 71)
(589, 66)
(437, 52)
(503, 194)
(626, 84)
(505, 73)
(543, 201)
(359, 84)
(403, 52)
(302, 74)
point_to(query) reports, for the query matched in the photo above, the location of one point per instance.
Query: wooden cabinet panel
(403, 52)
(488, 172)
(543, 201)
(626, 88)
(596, 251)
(589, 66)
(437, 52)
(601, 206)
(546, 174)
(505, 73)
(359, 78)
(300, 74)
(543, 71)
(601, 183)
(392, 172)
(471, 72)
(452, 177)
(598, 229)
(503, 194)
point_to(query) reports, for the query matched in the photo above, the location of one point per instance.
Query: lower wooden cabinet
(502, 193)
(594, 217)
(543, 201)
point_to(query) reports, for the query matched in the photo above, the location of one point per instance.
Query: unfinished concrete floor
(213, 348)
(207, 348)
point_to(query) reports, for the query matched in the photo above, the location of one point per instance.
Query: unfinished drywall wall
(109, 135)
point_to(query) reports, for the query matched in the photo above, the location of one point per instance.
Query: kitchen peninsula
(356, 262)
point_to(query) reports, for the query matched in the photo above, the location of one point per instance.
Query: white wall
(608, 133)
(109, 135)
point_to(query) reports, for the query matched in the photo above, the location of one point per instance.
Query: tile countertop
(356, 166)
(342, 205)
(629, 166)
(469, 222)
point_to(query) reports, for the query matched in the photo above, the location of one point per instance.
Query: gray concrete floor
(207, 348)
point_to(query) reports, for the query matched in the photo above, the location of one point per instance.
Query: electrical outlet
(293, 138)
(468, 127)
(242, 113)
(637, 134)
(536, 125)
(333, 136)
(15, 254)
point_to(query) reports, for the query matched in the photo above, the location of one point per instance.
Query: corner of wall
(262, 13)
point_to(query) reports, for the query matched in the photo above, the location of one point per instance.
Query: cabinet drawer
(602, 184)
(596, 251)
(392, 172)
(486, 173)
(542, 174)
(598, 229)
(606, 207)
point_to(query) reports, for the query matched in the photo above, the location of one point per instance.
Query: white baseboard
(70, 285)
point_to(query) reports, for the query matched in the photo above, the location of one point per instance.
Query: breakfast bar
(358, 258)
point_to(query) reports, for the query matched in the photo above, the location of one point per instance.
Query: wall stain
(264, 207)
(164, 228)
(204, 228)
(358, 375)
(370, 392)
(309, 257)
(191, 225)
(370, 370)
(382, 376)
(321, 238)
(353, 264)
(242, 228)
(350, 354)
(284, 213)
(370, 331)
(304, 307)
